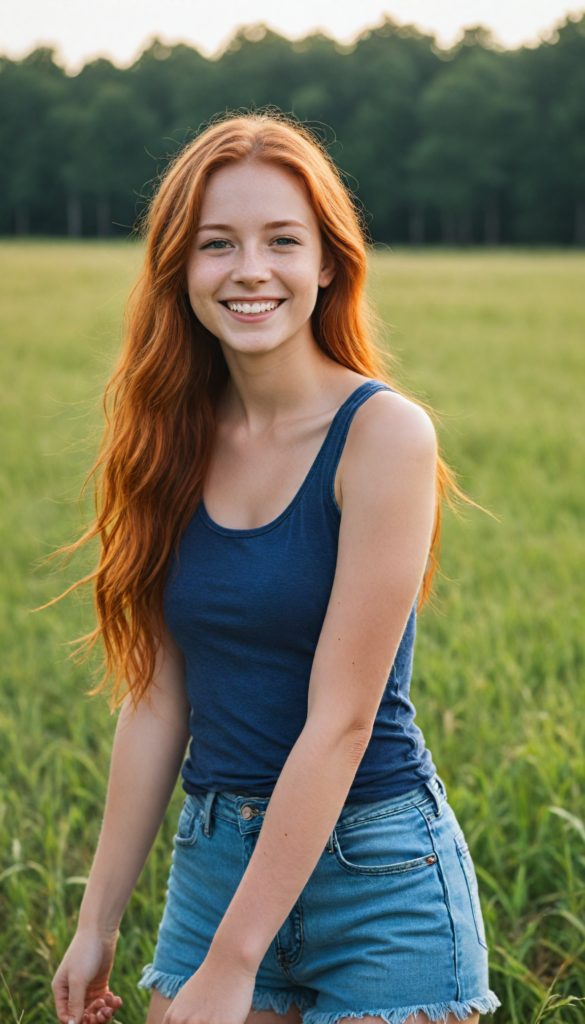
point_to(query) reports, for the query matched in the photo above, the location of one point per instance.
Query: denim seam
(375, 869)
(437, 801)
(231, 821)
(349, 824)
(284, 968)
(195, 825)
(461, 853)
(447, 900)
(284, 963)
(383, 814)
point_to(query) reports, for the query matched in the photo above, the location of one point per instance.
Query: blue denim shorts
(388, 924)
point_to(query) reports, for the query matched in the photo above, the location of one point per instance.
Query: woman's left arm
(387, 494)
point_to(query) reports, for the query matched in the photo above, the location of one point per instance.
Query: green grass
(495, 342)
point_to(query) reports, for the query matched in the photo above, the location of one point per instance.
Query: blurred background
(459, 143)
(460, 127)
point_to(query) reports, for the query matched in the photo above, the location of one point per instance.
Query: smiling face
(258, 258)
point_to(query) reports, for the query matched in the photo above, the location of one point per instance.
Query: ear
(327, 268)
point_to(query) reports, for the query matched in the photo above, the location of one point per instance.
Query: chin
(254, 346)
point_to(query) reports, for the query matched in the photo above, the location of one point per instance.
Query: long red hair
(160, 402)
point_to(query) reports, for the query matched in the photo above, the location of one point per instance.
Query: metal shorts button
(248, 811)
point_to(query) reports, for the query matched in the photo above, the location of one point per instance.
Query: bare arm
(387, 480)
(147, 754)
(148, 751)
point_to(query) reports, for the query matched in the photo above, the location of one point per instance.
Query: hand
(82, 980)
(215, 994)
(102, 1009)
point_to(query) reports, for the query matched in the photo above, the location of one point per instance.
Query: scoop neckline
(255, 531)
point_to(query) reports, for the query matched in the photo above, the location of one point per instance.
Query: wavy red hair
(160, 402)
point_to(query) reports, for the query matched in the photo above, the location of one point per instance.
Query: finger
(96, 1004)
(105, 1003)
(76, 1000)
(100, 1013)
(60, 994)
(112, 1000)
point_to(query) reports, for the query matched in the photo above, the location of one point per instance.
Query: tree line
(472, 145)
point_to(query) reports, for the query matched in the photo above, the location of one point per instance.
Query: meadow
(494, 341)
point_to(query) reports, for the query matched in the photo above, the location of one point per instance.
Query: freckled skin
(250, 258)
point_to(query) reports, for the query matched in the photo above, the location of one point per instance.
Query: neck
(265, 387)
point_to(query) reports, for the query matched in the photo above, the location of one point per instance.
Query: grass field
(495, 341)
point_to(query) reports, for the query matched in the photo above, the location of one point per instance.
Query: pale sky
(82, 29)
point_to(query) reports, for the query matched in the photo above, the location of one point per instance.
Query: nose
(252, 267)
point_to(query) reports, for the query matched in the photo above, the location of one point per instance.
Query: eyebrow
(273, 224)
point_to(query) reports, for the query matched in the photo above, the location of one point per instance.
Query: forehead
(238, 188)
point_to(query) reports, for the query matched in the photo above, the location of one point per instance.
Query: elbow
(345, 741)
(357, 739)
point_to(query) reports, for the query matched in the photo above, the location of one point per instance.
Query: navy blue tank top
(246, 607)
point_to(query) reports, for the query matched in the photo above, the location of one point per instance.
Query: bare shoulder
(390, 455)
(390, 428)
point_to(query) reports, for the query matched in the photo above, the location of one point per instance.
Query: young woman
(267, 509)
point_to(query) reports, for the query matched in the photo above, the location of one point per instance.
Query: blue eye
(218, 243)
(285, 240)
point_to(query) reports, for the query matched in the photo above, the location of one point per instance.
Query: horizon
(77, 41)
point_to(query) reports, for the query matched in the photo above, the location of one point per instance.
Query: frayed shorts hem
(434, 1011)
(281, 1000)
(167, 984)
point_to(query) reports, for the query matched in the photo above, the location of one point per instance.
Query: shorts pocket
(389, 844)
(471, 880)
(190, 819)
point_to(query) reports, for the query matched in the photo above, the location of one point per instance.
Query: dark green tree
(111, 153)
(549, 180)
(471, 115)
(474, 144)
(29, 166)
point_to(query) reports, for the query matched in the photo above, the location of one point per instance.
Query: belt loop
(207, 812)
(436, 789)
(441, 786)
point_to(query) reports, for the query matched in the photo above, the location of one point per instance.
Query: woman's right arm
(148, 751)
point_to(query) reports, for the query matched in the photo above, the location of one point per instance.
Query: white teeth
(253, 308)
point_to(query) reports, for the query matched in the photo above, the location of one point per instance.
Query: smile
(254, 308)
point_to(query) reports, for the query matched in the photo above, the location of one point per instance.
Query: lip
(252, 318)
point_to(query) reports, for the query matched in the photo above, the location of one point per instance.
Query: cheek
(203, 279)
(303, 279)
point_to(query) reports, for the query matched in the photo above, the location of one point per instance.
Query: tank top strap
(338, 431)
